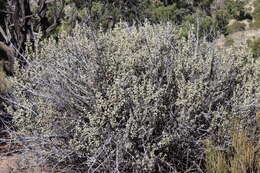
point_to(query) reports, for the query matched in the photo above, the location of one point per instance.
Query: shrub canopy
(136, 100)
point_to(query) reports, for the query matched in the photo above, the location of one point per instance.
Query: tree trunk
(20, 24)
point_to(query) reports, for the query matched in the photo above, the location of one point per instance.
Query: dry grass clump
(5, 84)
(131, 100)
(216, 161)
(241, 156)
(3, 81)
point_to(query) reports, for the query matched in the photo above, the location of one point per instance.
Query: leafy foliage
(157, 13)
(205, 26)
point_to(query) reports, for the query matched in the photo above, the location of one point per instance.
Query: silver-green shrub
(131, 100)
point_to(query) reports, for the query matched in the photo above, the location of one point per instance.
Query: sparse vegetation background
(132, 100)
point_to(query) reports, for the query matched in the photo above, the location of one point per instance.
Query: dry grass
(216, 161)
(242, 156)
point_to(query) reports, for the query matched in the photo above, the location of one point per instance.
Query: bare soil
(21, 163)
(13, 161)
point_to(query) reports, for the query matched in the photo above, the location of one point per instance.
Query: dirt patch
(23, 163)
(17, 159)
(10, 164)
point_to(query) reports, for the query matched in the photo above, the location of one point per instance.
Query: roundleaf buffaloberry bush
(131, 99)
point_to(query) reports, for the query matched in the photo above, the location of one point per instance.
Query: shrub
(229, 42)
(159, 13)
(256, 16)
(130, 100)
(235, 27)
(236, 10)
(205, 27)
(255, 47)
(221, 19)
